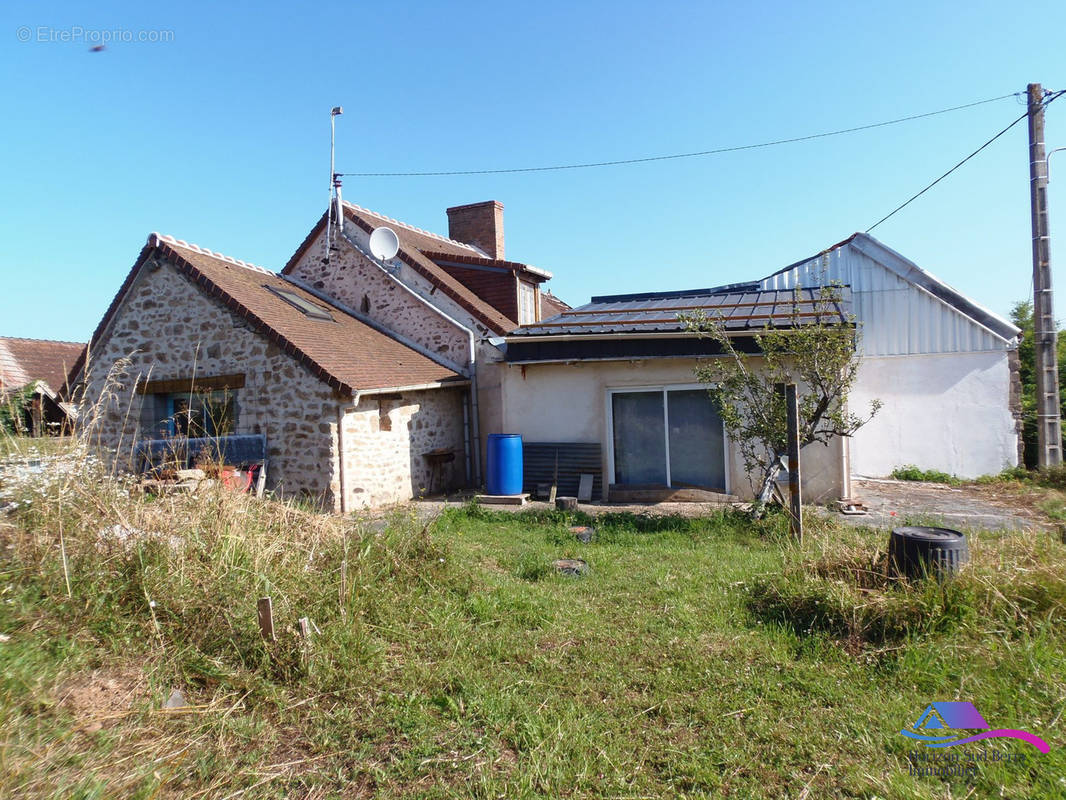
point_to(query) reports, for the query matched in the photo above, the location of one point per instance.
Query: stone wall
(356, 282)
(169, 329)
(1014, 401)
(385, 438)
(361, 285)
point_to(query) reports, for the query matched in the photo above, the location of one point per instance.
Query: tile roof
(347, 353)
(417, 238)
(742, 310)
(25, 360)
(422, 250)
(550, 305)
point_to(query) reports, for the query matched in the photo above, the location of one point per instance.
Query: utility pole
(1049, 425)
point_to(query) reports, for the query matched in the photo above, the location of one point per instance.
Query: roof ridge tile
(34, 339)
(154, 238)
(414, 228)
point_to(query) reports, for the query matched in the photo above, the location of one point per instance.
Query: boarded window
(527, 303)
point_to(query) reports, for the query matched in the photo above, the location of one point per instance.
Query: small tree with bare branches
(810, 347)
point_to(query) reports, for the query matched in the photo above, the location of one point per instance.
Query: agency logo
(932, 727)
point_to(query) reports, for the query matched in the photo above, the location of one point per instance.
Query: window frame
(664, 390)
(170, 399)
(523, 286)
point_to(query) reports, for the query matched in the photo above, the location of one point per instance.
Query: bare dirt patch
(103, 695)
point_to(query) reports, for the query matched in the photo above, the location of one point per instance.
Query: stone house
(371, 380)
(375, 380)
(41, 366)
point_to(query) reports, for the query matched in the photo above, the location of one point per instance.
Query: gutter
(573, 360)
(472, 367)
(543, 274)
(606, 337)
(414, 387)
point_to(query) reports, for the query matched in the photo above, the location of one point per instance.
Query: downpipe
(471, 367)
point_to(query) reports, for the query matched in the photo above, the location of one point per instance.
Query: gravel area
(985, 507)
(890, 503)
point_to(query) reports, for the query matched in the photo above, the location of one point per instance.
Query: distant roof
(424, 252)
(550, 305)
(745, 310)
(23, 361)
(346, 352)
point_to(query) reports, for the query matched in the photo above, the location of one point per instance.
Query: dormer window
(527, 303)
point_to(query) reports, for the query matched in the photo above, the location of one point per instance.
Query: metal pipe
(466, 434)
(333, 182)
(1047, 161)
(472, 367)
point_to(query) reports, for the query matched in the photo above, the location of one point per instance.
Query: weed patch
(698, 656)
(909, 472)
(1012, 584)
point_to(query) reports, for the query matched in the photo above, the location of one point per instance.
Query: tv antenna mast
(334, 180)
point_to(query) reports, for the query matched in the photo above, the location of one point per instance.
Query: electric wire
(1046, 102)
(674, 156)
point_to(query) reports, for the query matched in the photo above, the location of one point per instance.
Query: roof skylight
(312, 310)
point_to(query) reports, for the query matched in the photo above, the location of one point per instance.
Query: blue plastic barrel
(504, 463)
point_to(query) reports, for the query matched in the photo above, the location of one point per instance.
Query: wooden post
(266, 619)
(795, 504)
(1048, 427)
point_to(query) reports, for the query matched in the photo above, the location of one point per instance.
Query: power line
(1048, 101)
(673, 156)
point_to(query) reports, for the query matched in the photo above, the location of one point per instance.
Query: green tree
(814, 351)
(14, 410)
(1022, 316)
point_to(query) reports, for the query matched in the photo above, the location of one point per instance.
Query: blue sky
(220, 136)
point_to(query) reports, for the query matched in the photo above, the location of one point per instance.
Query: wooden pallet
(503, 499)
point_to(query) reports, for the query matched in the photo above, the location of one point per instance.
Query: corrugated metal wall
(543, 460)
(897, 317)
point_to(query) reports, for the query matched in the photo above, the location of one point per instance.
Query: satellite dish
(384, 243)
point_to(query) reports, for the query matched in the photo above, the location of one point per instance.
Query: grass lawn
(697, 657)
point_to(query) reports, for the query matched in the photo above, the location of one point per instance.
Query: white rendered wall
(948, 412)
(568, 403)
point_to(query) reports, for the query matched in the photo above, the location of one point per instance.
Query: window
(666, 436)
(312, 310)
(527, 303)
(196, 414)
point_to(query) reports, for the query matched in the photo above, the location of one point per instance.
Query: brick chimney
(479, 224)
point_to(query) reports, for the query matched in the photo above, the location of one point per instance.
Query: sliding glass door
(668, 436)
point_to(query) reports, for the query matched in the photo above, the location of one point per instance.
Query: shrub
(909, 472)
(1052, 477)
